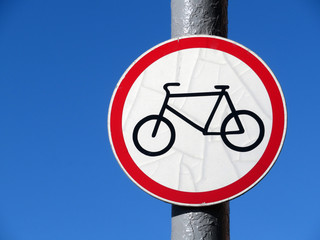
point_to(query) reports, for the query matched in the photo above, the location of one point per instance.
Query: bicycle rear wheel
(240, 146)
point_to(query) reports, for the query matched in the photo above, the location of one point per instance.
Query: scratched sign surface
(192, 121)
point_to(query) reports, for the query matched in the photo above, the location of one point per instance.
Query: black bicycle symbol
(205, 130)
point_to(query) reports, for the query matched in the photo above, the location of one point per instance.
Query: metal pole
(200, 223)
(189, 17)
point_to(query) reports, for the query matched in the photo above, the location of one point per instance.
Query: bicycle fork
(163, 108)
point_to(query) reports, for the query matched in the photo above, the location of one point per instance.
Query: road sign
(197, 120)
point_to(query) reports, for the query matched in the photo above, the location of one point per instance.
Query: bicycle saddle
(222, 87)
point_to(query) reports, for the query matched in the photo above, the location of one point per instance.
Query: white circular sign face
(197, 120)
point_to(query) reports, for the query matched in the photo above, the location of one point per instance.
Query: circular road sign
(197, 120)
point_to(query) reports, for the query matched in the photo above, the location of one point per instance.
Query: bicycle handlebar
(165, 87)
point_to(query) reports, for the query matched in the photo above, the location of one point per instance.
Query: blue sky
(59, 63)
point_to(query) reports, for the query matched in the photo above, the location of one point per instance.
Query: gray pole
(189, 17)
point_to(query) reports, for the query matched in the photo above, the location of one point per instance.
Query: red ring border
(218, 195)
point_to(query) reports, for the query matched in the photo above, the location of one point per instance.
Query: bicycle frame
(204, 130)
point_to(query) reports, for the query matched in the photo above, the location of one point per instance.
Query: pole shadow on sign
(160, 119)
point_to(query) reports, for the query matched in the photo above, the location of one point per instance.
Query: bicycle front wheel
(160, 143)
(246, 140)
